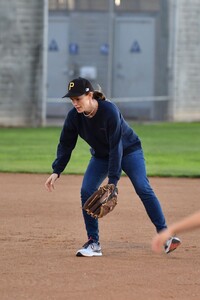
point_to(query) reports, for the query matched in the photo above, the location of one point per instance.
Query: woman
(186, 224)
(114, 147)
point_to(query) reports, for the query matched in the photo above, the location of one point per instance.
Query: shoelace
(88, 243)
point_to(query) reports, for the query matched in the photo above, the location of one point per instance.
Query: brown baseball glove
(101, 202)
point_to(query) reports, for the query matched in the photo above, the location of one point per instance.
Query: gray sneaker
(90, 248)
(171, 244)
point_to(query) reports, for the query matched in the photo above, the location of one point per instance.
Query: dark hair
(99, 95)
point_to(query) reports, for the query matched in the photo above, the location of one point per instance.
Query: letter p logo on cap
(71, 85)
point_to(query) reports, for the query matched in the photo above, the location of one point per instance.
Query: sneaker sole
(79, 254)
(173, 246)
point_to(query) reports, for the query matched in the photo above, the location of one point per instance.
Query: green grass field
(171, 149)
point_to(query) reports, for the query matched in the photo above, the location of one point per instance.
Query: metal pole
(110, 43)
(172, 54)
(44, 63)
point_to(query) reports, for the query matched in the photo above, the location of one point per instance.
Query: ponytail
(99, 95)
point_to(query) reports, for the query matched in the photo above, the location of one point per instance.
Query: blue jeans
(133, 165)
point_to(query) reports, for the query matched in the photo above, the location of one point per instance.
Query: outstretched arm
(186, 224)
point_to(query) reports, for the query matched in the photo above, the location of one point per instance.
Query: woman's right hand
(49, 184)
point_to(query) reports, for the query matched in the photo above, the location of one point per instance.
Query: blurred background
(145, 55)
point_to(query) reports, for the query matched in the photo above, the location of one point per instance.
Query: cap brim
(66, 96)
(70, 95)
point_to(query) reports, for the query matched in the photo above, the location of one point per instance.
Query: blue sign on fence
(53, 46)
(104, 49)
(73, 48)
(135, 48)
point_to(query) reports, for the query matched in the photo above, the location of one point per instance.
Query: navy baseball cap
(77, 87)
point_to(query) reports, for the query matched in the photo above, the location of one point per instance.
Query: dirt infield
(40, 233)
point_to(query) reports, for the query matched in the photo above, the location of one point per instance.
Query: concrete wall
(184, 59)
(22, 62)
(23, 26)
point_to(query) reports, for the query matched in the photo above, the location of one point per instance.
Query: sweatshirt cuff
(57, 173)
(113, 181)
